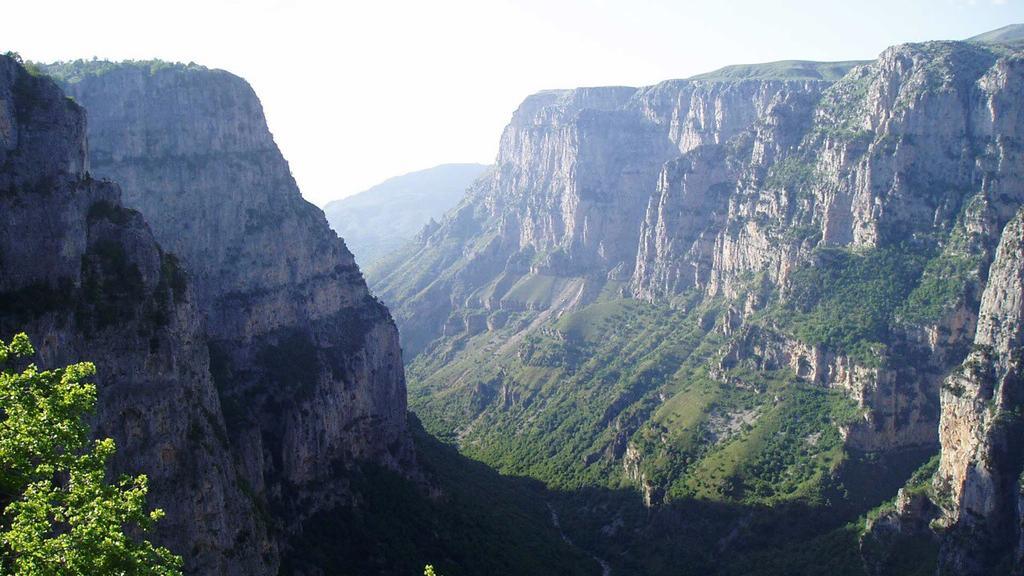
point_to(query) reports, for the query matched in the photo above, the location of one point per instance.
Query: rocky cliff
(888, 157)
(890, 154)
(574, 171)
(979, 477)
(747, 178)
(85, 278)
(306, 362)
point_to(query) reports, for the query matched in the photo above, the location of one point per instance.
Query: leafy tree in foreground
(60, 516)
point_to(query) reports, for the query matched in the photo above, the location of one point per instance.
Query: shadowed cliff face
(306, 362)
(84, 277)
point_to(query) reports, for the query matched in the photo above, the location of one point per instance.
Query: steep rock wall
(979, 475)
(85, 278)
(306, 362)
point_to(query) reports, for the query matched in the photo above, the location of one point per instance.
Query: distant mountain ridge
(1006, 35)
(782, 70)
(384, 217)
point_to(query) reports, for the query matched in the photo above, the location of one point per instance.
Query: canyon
(764, 320)
(249, 373)
(749, 287)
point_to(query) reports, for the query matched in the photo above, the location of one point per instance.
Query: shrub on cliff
(60, 516)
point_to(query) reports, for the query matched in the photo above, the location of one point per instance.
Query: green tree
(60, 515)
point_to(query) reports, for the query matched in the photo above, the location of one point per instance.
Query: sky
(358, 92)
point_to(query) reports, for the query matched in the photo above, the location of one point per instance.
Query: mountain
(84, 276)
(383, 218)
(782, 70)
(306, 362)
(1006, 35)
(740, 296)
(299, 364)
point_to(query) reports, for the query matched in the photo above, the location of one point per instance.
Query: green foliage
(789, 452)
(907, 553)
(921, 481)
(943, 282)
(74, 71)
(553, 407)
(782, 70)
(63, 517)
(842, 107)
(738, 448)
(473, 521)
(566, 386)
(112, 286)
(792, 173)
(847, 300)
(535, 290)
(594, 322)
(291, 362)
(27, 95)
(106, 210)
(35, 300)
(173, 276)
(834, 553)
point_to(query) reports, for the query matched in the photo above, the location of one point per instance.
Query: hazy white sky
(357, 92)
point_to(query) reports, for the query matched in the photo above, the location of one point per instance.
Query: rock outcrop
(85, 278)
(979, 479)
(306, 361)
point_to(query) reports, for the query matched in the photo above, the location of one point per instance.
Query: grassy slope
(558, 405)
(782, 70)
(1013, 33)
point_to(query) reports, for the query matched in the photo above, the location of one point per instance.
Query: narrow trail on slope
(606, 568)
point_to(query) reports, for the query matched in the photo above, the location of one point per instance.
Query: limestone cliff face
(889, 153)
(85, 278)
(979, 478)
(573, 176)
(306, 362)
